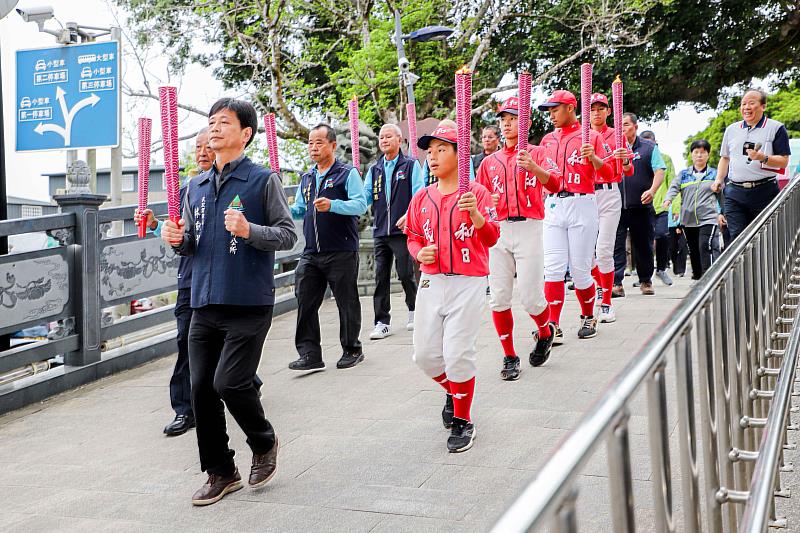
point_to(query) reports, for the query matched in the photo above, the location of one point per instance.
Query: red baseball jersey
(609, 145)
(577, 176)
(520, 195)
(461, 249)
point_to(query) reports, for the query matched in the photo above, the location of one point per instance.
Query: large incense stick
(411, 111)
(272, 141)
(586, 102)
(464, 125)
(616, 94)
(524, 122)
(353, 108)
(145, 127)
(168, 97)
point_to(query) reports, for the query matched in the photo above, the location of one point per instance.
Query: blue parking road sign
(68, 97)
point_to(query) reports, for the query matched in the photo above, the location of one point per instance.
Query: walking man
(637, 214)
(330, 199)
(519, 251)
(234, 219)
(390, 184)
(753, 153)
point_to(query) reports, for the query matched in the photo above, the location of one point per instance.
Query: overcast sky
(197, 87)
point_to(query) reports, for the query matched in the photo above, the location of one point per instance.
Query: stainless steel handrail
(719, 300)
(756, 513)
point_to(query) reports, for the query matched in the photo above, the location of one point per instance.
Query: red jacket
(520, 195)
(610, 144)
(461, 249)
(577, 176)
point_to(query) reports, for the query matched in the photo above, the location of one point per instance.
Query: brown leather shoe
(264, 467)
(617, 291)
(216, 488)
(647, 288)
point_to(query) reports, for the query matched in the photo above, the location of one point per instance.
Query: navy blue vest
(328, 232)
(185, 263)
(226, 270)
(385, 216)
(643, 173)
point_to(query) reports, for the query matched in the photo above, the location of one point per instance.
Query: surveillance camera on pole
(40, 15)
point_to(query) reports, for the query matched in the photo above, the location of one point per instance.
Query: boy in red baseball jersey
(570, 222)
(450, 235)
(520, 209)
(609, 207)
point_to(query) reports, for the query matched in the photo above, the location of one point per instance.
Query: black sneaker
(541, 352)
(588, 327)
(462, 435)
(510, 370)
(350, 360)
(307, 362)
(448, 411)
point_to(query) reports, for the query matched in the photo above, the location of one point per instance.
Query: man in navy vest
(390, 184)
(329, 199)
(180, 384)
(638, 214)
(235, 217)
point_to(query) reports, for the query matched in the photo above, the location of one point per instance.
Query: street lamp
(428, 33)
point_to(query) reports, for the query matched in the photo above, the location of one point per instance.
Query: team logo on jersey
(426, 228)
(491, 212)
(607, 148)
(401, 174)
(463, 232)
(497, 185)
(551, 164)
(575, 159)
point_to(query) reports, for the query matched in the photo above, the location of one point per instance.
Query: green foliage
(784, 106)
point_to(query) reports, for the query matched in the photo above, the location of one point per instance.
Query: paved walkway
(362, 449)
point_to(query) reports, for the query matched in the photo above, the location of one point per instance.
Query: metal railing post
(84, 274)
(620, 478)
(688, 432)
(659, 450)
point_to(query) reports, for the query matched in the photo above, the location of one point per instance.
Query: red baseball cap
(599, 98)
(510, 106)
(449, 135)
(557, 98)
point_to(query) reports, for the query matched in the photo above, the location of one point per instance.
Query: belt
(567, 194)
(516, 219)
(753, 184)
(601, 186)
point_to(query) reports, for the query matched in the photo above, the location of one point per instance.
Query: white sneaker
(381, 331)
(410, 325)
(598, 299)
(607, 314)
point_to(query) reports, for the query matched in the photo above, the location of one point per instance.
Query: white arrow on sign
(69, 115)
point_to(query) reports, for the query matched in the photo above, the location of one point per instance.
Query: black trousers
(640, 223)
(703, 247)
(386, 249)
(661, 235)
(225, 344)
(313, 274)
(742, 206)
(180, 384)
(678, 250)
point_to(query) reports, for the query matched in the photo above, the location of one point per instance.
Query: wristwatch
(764, 161)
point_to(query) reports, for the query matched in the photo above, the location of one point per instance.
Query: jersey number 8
(465, 255)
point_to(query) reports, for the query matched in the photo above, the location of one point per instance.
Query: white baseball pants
(609, 207)
(570, 235)
(448, 317)
(518, 251)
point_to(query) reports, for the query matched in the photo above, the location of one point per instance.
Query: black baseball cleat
(510, 370)
(588, 327)
(448, 412)
(350, 360)
(462, 435)
(541, 352)
(306, 362)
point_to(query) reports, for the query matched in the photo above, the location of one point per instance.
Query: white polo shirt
(770, 134)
